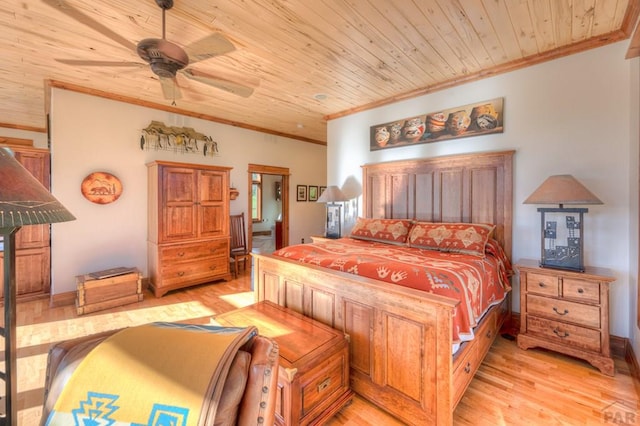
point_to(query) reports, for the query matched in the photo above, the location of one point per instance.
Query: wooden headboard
(459, 188)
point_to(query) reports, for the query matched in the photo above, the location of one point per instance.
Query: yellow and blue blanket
(156, 374)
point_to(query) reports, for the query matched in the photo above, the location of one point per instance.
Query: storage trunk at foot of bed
(400, 338)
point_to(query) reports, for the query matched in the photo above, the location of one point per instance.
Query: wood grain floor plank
(512, 387)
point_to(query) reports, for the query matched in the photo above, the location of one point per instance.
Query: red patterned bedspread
(478, 283)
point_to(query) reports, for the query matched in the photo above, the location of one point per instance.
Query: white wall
(91, 134)
(571, 115)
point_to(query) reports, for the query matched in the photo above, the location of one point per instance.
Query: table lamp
(562, 229)
(331, 196)
(23, 201)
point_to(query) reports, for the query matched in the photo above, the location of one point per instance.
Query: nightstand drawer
(579, 337)
(586, 291)
(562, 310)
(542, 284)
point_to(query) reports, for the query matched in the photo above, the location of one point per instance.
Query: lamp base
(332, 236)
(561, 267)
(562, 238)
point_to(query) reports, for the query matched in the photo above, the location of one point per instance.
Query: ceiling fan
(166, 59)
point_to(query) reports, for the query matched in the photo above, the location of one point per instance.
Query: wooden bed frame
(400, 339)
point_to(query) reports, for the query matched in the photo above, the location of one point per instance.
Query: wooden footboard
(400, 338)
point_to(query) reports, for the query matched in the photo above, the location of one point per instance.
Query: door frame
(270, 170)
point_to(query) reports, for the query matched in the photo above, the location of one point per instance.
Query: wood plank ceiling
(308, 61)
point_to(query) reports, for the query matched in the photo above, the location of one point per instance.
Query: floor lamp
(23, 201)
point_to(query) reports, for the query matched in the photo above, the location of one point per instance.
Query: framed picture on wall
(301, 193)
(322, 188)
(313, 193)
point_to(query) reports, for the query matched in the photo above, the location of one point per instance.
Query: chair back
(238, 235)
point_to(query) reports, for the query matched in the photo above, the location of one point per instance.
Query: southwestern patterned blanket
(477, 282)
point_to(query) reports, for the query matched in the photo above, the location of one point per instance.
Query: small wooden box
(313, 376)
(98, 294)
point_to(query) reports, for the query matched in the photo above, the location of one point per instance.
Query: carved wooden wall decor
(183, 140)
(101, 188)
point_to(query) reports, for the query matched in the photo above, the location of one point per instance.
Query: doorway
(268, 198)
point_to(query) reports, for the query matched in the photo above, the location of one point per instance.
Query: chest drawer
(323, 381)
(580, 290)
(578, 337)
(177, 272)
(463, 373)
(546, 285)
(563, 310)
(194, 251)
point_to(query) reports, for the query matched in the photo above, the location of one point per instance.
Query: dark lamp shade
(331, 195)
(562, 189)
(23, 200)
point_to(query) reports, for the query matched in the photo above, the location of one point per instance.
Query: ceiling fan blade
(212, 45)
(76, 14)
(170, 88)
(84, 62)
(220, 83)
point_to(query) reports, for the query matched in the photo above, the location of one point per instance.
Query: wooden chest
(313, 377)
(96, 294)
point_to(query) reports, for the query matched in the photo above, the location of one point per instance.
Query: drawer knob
(181, 254)
(565, 312)
(489, 334)
(541, 284)
(580, 290)
(212, 267)
(324, 384)
(181, 273)
(467, 368)
(562, 335)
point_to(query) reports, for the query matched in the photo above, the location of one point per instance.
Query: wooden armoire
(188, 235)
(33, 252)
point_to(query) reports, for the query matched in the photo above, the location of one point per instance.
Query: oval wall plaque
(101, 188)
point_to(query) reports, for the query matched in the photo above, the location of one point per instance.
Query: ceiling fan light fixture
(164, 69)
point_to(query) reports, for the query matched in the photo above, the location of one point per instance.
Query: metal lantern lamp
(23, 201)
(333, 195)
(562, 229)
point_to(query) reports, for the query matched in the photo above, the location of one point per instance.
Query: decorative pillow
(390, 231)
(467, 238)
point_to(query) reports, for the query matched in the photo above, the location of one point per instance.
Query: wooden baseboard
(632, 362)
(63, 299)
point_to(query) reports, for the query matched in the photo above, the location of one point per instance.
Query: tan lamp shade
(562, 189)
(23, 200)
(331, 195)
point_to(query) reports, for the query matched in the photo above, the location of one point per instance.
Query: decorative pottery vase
(484, 117)
(382, 136)
(458, 122)
(396, 132)
(436, 122)
(413, 129)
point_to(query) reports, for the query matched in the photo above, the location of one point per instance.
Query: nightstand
(566, 311)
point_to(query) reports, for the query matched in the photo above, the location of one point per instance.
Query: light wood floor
(512, 387)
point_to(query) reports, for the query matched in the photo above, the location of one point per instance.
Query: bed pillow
(390, 231)
(467, 238)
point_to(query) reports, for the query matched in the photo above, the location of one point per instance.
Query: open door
(268, 187)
